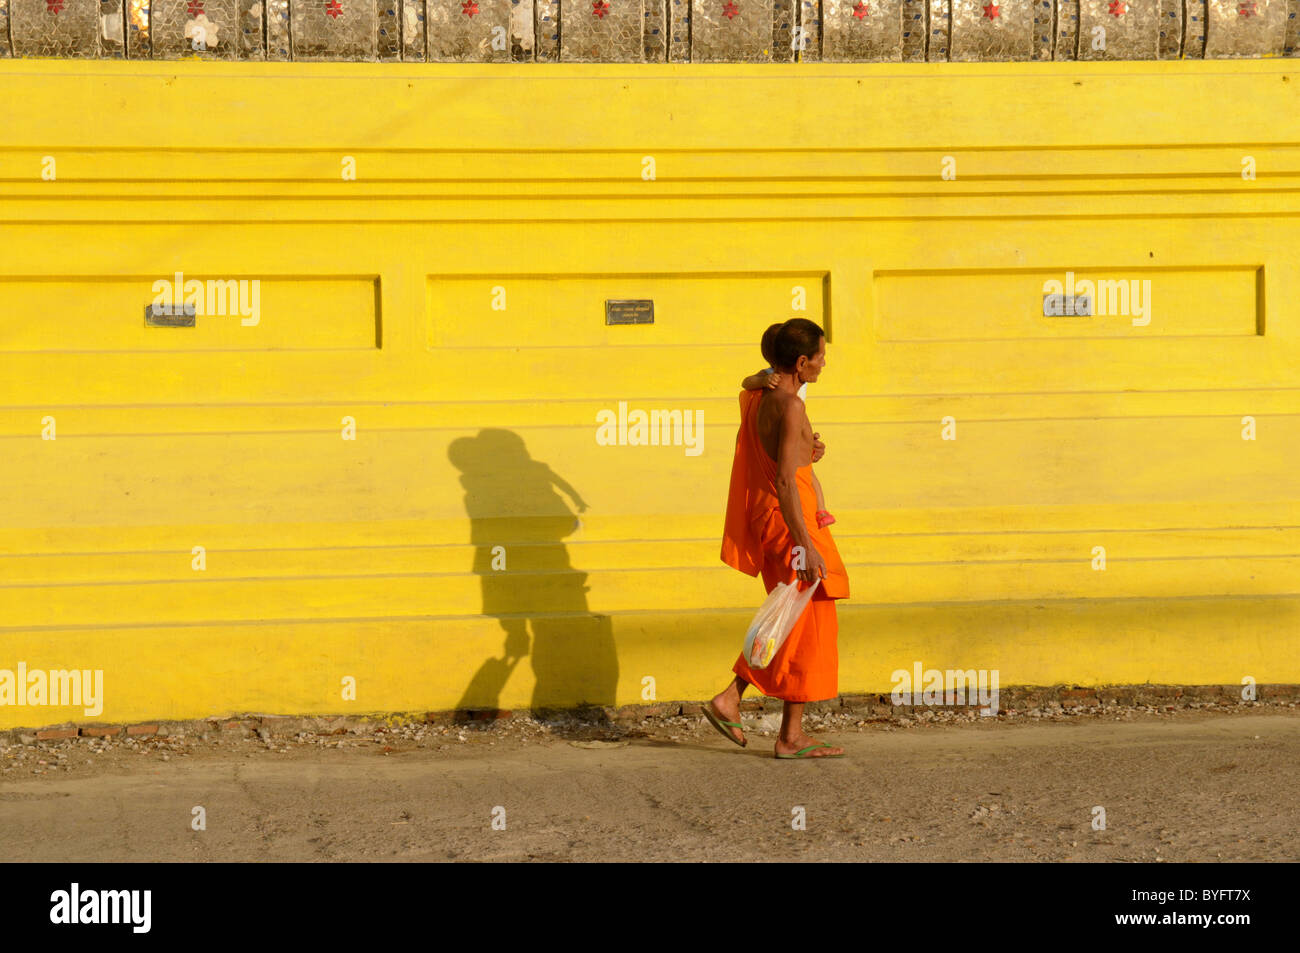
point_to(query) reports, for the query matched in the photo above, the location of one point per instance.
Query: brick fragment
(55, 734)
(141, 730)
(100, 731)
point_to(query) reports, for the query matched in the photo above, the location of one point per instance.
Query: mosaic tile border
(651, 31)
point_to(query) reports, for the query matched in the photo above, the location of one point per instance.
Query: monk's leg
(792, 737)
(727, 703)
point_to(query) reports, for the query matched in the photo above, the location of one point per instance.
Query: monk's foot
(727, 707)
(804, 741)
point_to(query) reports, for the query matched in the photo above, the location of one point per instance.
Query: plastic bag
(774, 620)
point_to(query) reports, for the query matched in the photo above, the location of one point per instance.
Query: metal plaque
(630, 311)
(169, 315)
(1067, 306)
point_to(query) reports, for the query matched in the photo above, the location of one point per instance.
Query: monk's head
(797, 347)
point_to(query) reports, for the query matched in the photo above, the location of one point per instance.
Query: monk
(771, 527)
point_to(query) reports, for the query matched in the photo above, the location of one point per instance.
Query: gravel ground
(1203, 783)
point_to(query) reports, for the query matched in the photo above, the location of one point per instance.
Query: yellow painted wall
(476, 427)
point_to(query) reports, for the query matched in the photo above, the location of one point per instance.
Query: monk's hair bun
(765, 345)
(797, 338)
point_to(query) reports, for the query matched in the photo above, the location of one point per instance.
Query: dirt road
(1190, 786)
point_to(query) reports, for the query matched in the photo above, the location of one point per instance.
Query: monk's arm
(760, 380)
(789, 454)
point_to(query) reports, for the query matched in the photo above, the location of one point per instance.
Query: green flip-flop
(803, 754)
(722, 726)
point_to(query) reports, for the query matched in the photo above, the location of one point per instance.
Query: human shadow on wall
(512, 503)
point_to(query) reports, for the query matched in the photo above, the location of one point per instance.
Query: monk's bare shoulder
(794, 416)
(796, 431)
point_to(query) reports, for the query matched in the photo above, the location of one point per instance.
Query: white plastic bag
(774, 620)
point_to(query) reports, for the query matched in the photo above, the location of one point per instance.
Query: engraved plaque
(630, 311)
(169, 315)
(1064, 306)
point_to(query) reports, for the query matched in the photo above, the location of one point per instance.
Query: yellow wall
(477, 427)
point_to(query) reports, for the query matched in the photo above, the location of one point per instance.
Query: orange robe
(756, 539)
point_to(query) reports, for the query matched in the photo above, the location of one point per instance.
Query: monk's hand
(773, 380)
(819, 448)
(814, 566)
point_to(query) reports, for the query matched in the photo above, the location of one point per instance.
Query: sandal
(803, 753)
(724, 726)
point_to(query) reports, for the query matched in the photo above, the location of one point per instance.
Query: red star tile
(1117, 8)
(599, 8)
(334, 9)
(469, 8)
(860, 10)
(991, 11)
(194, 8)
(53, 6)
(730, 10)
(1247, 10)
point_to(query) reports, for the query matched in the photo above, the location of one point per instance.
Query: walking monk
(771, 528)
